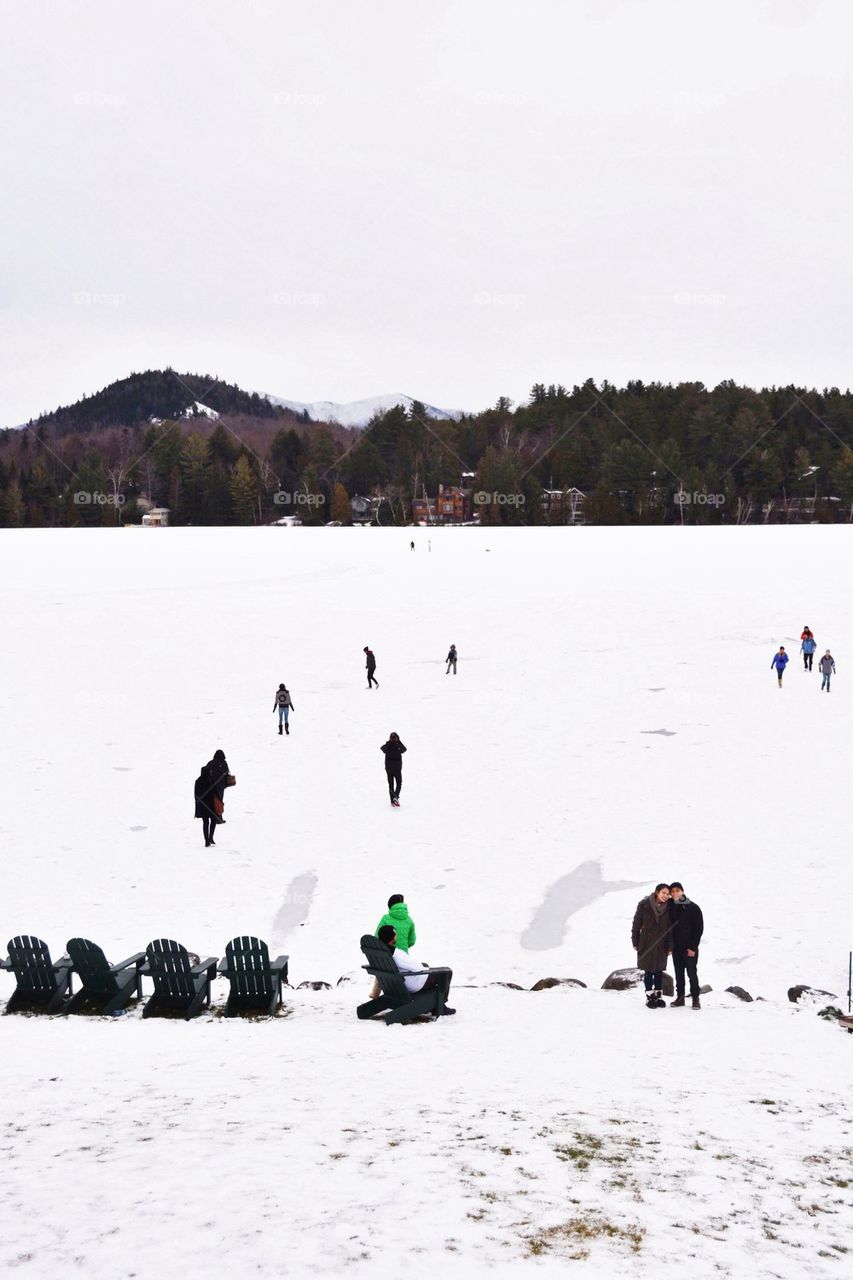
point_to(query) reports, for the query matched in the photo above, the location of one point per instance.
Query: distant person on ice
(284, 704)
(451, 660)
(398, 917)
(650, 938)
(780, 662)
(687, 929)
(807, 648)
(370, 664)
(412, 970)
(209, 794)
(393, 751)
(826, 666)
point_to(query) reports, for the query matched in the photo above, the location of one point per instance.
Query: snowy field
(614, 722)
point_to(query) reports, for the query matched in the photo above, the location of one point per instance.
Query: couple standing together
(667, 922)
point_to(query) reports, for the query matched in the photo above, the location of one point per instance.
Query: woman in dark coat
(210, 786)
(651, 937)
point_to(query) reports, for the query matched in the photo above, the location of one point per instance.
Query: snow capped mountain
(357, 413)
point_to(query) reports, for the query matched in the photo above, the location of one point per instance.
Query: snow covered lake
(614, 722)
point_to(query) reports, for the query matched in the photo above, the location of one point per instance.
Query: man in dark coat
(650, 937)
(370, 664)
(393, 751)
(687, 928)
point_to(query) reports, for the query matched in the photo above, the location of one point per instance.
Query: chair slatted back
(249, 969)
(170, 969)
(32, 966)
(380, 963)
(92, 967)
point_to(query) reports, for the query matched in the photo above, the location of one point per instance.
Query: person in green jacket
(398, 917)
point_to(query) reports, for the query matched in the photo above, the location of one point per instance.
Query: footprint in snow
(666, 733)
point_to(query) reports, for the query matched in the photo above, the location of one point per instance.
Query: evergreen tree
(244, 492)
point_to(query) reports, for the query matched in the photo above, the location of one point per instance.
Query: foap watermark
(294, 98)
(97, 98)
(90, 498)
(298, 298)
(493, 298)
(684, 298)
(484, 499)
(86, 298)
(683, 498)
(498, 98)
(282, 498)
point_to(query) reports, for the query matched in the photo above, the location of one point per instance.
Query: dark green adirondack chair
(255, 979)
(42, 985)
(106, 987)
(179, 987)
(401, 1004)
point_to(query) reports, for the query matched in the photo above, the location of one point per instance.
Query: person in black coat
(209, 787)
(393, 751)
(687, 928)
(370, 664)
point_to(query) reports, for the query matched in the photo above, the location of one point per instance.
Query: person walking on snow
(807, 648)
(451, 660)
(687, 929)
(370, 664)
(826, 666)
(780, 662)
(283, 704)
(393, 751)
(650, 938)
(209, 792)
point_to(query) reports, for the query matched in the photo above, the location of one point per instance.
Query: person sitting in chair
(412, 969)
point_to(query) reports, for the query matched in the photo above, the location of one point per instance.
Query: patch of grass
(582, 1231)
(584, 1149)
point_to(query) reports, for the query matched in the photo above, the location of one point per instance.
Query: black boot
(287, 728)
(650, 1000)
(660, 1003)
(279, 728)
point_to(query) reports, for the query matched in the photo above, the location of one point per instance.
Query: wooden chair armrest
(210, 964)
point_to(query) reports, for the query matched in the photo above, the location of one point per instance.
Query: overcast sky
(453, 199)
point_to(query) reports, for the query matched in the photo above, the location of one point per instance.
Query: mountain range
(357, 413)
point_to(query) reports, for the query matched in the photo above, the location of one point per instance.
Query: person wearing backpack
(370, 664)
(826, 666)
(284, 704)
(807, 648)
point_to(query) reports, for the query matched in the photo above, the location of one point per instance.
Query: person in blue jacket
(807, 648)
(780, 662)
